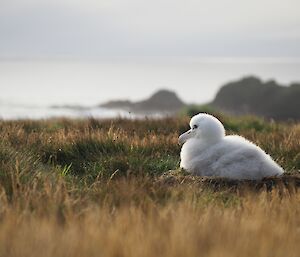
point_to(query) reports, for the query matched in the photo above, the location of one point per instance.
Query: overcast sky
(97, 28)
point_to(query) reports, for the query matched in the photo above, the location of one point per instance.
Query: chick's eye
(195, 126)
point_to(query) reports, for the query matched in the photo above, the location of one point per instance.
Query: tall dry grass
(137, 218)
(95, 188)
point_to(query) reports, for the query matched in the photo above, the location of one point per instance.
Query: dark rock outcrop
(161, 101)
(267, 99)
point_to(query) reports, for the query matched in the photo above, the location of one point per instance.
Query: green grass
(93, 147)
(84, 151)
(76, 187)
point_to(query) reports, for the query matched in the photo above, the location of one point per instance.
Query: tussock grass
(103, 188)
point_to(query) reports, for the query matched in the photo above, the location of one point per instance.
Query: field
(113, 188)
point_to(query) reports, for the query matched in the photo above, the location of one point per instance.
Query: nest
(287, 182)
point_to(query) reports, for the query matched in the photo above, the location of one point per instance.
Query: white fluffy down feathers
(206, 151)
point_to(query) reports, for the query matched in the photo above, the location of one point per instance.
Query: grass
(103, 188)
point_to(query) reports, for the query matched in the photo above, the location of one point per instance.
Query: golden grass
(129, 221)
(102, 188)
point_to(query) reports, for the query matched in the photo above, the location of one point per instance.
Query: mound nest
(290, 182)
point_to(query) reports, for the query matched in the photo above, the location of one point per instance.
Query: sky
(89, 51)
(97, 28)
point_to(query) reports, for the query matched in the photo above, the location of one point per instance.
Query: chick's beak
(185, 136)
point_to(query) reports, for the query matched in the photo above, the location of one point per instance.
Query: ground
(114, 188)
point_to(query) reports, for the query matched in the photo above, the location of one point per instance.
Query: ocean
(30, 88)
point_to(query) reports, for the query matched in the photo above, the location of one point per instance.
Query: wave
(17, 112)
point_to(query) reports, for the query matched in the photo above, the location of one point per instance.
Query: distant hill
(252, 96)
(161, 101)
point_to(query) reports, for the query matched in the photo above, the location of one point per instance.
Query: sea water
(31, 88)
